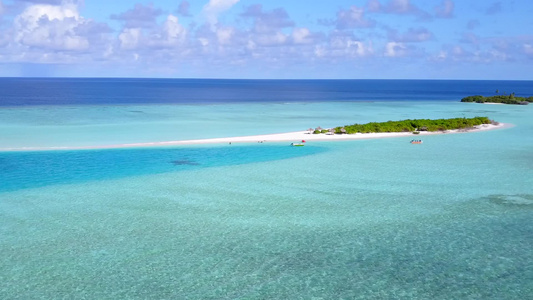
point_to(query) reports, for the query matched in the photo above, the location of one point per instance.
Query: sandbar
(290, 137)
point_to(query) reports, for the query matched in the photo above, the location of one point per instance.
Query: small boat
(416, 142)
(297, 144)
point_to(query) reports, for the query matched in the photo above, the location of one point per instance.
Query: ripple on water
(525, 200)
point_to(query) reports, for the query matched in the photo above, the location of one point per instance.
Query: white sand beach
(299, 136)
(290, 137)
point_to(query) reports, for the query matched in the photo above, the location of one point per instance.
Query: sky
(260, 39)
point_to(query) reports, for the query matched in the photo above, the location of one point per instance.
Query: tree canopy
(414, 125)
(505, 99)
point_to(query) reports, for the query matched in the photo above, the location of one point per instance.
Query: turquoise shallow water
(60, 126)
(381, 219)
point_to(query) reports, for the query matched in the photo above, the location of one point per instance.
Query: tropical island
(503, 99)
(415, 126)
(371, 130)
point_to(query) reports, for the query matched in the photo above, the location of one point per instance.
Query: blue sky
(397, 39)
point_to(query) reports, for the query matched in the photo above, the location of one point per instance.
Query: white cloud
(129, 38)
(272, 39)
(251, 45)
(51, 26)
(342, 45)
(413, 35)
(401, 7)
(268, 26)
(301, 36)
(497, 55)
(224, 35)
(215, 7)
(47, 28)
(267, 21)
(30, 17)
(174, 30)
(52, 31)
(393, 7)
(486, 51)
(320, 51)
(357, 48)
(394, 49)
(204, 42)
(442, 55)
(152, 37)
(352, 18)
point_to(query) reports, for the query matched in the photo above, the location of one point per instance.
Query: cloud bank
(239, 39)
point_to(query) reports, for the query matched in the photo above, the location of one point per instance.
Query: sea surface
(451, 218)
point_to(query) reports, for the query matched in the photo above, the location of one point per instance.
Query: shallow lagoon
(355, 219)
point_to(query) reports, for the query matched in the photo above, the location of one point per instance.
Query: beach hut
(310, 130)
(318, 128)
(343, 130)
(331, 131)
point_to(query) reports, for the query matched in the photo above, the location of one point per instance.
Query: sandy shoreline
(290, 137)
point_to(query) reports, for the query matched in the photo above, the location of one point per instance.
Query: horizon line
(257, 79)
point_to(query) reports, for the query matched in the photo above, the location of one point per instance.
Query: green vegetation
(320, 131)
(506, 99)
(414, 125)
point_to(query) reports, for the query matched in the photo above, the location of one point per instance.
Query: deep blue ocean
(364, 219)
(93, 91)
